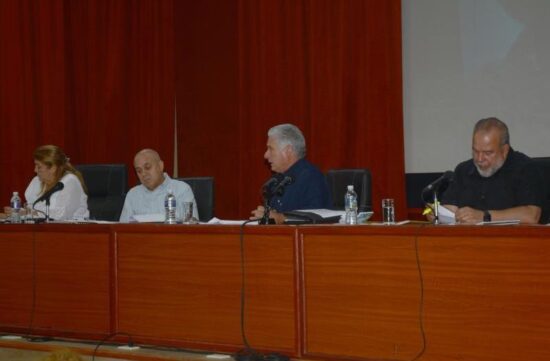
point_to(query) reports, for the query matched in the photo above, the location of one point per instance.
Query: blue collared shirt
(308, 191)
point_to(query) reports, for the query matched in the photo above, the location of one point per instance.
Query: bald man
(148, 197)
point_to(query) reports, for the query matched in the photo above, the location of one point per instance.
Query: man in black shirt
(498, 183)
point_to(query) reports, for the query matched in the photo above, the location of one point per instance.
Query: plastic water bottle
(350, 201)
(170, 208)
(15, 204)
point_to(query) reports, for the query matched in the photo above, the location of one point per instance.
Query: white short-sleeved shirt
(69, 203)
(142, 201)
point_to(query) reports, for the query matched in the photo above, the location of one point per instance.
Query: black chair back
(339, 179)
(543, 164)
(107, 185)
(203, 190)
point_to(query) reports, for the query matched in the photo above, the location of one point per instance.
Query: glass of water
(388, 211)
(187, 212)
(28, 213)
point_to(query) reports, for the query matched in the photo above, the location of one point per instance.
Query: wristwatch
(486, 216)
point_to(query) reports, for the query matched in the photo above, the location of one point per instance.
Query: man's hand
(258, 213)
(278, 217)
(468, 215)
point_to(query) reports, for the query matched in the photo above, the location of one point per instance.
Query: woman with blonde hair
(51, 166)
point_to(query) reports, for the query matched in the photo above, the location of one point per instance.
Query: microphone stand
(268, 194)
(46, 214)
(48, 210)
(267, 208)
(436, 208)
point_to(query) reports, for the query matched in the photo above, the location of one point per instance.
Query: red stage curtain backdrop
(100, 79)
(94, 77)
(333, 68)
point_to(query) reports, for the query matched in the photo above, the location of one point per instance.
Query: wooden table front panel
(487, 297)
(361, 294)
(15, 277)
(71, 282)
(183, 287)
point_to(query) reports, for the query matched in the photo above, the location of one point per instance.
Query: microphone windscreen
(446, 177)
(59, 186)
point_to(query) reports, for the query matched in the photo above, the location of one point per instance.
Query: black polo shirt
(517, 183)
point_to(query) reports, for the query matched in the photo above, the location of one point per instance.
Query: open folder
(315, 216)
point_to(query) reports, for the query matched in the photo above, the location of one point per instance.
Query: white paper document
(504, 222)
(147, 218)
(446, 216)
(84, 221)
(230, 222)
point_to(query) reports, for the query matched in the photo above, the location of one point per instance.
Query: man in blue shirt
(286, 151)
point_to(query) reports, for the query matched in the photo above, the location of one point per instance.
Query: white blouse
(69, 203)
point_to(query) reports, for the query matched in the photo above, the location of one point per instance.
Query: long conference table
(311, 292)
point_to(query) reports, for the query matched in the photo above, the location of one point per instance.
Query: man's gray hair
(289, 134)
(485, 125)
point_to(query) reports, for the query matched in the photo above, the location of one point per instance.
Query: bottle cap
(15, 193)
(350, 187)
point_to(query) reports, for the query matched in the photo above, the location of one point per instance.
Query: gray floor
(22, 350)
(13, 354)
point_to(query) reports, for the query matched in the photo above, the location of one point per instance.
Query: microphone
(274, 186)
(279, 188)
(436, 184)
(271, 182)
(46, 196)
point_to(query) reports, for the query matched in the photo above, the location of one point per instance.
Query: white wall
(464, 60)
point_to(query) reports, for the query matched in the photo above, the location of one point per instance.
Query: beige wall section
(464, 60)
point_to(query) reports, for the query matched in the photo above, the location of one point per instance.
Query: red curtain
(102, 78)
(94, 77)
(32, 86)
(207, 97)
(331, 67)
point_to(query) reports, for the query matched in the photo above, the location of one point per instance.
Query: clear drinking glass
(28, 213)
(388, 211)
(188, 212)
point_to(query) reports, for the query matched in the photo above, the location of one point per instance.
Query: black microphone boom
(273, 187)
(267, 188)
(436, 184)
(46, 196)
(279, 188)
